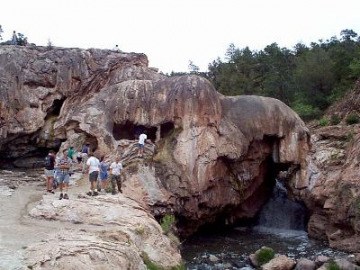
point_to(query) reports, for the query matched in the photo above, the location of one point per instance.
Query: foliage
(308, 79)
(334, 119)
(264, 255)
(332, 266)
(324, 122)
(1, 31)
(193, 68)
(167, 223)
(149, 264)
(50, 45)
(21, 39)
(140, 230)
(352, 119)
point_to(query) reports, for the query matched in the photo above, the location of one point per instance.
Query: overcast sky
(172, 32)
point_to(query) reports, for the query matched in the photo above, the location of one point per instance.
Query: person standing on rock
(14, 39)
(104, 167)
(93, 168)
(141, 144)
(84, 154)
(63, 174)
(49, 171)
(115, 170)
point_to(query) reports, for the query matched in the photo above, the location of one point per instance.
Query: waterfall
(281, 213)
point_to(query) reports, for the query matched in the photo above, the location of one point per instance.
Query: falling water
(281, 213)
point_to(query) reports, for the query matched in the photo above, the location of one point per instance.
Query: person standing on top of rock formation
(93, 168)
(14, 39)
(116, 48)
(115, 170)
(63, 174)
(49, 170)
(141, 143)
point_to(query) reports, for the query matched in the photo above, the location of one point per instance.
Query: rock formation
(110, 232)
(333, 193)
(215, 157)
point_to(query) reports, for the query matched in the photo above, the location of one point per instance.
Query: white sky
(172, 32)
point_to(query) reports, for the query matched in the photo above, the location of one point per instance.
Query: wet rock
(305, 264)
(280, 262)
(213, 258)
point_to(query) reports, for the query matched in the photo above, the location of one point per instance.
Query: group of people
(59, 168)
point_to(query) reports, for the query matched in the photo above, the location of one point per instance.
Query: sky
(173, 32)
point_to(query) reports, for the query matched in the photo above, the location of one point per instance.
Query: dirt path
(18, 230)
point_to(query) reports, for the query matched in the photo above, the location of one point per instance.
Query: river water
(280, 225)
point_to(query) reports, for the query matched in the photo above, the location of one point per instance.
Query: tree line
(307, 78)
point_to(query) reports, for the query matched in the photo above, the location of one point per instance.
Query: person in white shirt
(141, 144)
(115, 171)
(93, 168)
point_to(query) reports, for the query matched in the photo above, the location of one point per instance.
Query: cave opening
(129, 131)
(166, 129)
(55, 108)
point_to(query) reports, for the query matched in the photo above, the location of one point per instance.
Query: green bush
(335, 119)
(324, 122)
(167, 223)
(306, 111)
(333, 266)
(264, 255)
(352, 119)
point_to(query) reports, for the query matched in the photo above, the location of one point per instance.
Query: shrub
(335, 119)
(333, 266)
(167, 223)
(264, 255)
(306, 111)
(324, 122)
(352, 119)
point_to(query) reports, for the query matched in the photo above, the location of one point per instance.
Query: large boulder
(109, 232)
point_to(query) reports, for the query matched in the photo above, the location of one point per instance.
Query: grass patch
(167, 222)
(149, 264)
(324, 122)
(352, 119)
(264, 255)
(335, 119)
(333, 266)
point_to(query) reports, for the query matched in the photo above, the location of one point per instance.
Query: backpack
(48, 163)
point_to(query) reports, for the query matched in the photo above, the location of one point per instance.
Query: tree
(193, 68)
(21, 39)
(348, 34)
(1, 31)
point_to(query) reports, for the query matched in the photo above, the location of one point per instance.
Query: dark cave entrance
(129, 131)
(55, 108)
(166, 129)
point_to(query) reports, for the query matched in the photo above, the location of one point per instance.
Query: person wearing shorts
(104, 167)
(63, 174)
(93, 168)
(49, 171)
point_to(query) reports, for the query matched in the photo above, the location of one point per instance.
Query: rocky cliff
(333, 193)
(215, 157)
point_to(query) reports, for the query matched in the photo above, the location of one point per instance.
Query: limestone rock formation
(109, 232)
(215, 157)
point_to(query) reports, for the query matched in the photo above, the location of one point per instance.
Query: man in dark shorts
(49, 171)
(93, 168)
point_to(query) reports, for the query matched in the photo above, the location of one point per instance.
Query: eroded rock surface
(215, 156)
(333, 193)
(110, 232)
